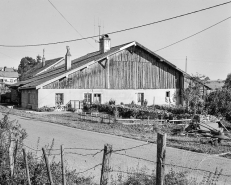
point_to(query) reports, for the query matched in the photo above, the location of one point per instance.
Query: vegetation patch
(140, 132)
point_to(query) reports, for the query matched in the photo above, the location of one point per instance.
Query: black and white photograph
(115, 92)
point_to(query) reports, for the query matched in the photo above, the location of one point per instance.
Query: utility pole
(186, 65)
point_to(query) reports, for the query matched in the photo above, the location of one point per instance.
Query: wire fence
(116, 152)
(123, 152)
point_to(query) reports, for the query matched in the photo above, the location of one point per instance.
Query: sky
(35, 22)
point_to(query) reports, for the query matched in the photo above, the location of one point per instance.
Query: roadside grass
(139, 132)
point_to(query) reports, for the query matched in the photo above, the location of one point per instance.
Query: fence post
(15, 155)
(26, 164)
(62, 165)
(161, 150)
(48, 167)
(106, 164)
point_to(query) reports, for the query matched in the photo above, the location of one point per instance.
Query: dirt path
(71, 137)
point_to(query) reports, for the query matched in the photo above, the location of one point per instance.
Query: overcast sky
(34, 22)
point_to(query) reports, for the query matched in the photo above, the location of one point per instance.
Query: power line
(118, 31)
(69, 22)
(193, 34)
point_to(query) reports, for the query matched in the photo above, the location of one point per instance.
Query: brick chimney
(104, 43)
(43, 59)
(68, 59)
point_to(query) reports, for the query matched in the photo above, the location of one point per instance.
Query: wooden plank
(62, 165)
(161, 151)
(48, 167)
(104, 179)
(26, 164)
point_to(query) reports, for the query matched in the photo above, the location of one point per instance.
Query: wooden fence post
(106, 164)
(26, 164)
(161, 150)
(62, 165)
(48, 167)
(15, 155)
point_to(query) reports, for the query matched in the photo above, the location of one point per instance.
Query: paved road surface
(71, 137)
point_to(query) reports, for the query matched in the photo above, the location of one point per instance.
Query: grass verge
(139, 132)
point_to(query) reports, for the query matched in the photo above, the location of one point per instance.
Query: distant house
(126, 73)
(8, 76)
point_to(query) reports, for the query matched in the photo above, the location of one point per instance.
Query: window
(167, 94)
(59, 99)
(11, 80)
(97, 98)
(140, 97)
(1, 80)
(5, 80)
(87, 97)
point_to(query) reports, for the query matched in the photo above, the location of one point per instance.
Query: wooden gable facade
(132, 68)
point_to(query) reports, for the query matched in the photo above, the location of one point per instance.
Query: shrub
(45, 109)
(219, 103)
(112, 102)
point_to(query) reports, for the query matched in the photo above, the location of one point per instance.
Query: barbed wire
(124, 149)
(90, 168)
(196, 169)
(135, 157)
(90, 154)
(76, 148)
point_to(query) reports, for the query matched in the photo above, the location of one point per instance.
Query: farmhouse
(126, 73)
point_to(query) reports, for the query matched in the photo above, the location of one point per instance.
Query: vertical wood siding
(137, 70)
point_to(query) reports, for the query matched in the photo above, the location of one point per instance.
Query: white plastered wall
(46, 97)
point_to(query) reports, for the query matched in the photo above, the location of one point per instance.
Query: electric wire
(193, 34)
(118, 31)
(69, 22)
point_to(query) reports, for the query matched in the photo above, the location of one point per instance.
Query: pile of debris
(203, 126)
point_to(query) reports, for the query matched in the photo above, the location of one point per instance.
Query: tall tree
(228, 81)
(194, 94)
(38, 59)
(26, 64)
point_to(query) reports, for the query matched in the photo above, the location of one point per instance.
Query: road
(71, 137)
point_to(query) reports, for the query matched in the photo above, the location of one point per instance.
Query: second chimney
(68, 59)
(43, 59)
(104, 43)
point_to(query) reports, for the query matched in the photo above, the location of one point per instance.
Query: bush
(112, 102)
(219, 103)
(141, 112)
(45, 109)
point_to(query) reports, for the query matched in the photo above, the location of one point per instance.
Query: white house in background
(8, 75)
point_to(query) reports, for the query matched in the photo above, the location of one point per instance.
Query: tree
(228, 81)
(38, 59)
(193, 95)
(219, 103)
(26, 64)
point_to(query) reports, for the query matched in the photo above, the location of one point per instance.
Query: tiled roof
(9, 74)
(48, 75)
(94, 56)
(38, 68)
(9, 69)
